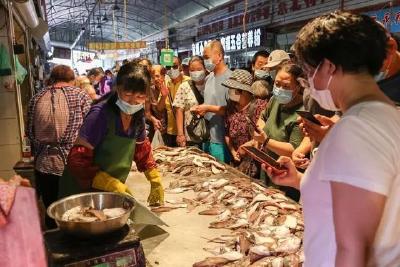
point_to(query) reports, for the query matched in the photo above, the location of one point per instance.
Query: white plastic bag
(157, 139)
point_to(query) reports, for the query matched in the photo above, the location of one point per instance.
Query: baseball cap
(276, 57)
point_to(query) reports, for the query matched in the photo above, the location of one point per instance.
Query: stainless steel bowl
(99, 201)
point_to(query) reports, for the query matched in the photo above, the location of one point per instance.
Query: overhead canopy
(83, 21)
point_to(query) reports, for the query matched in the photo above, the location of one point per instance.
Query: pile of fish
(187, 162)
(89, 214)
(266, 227)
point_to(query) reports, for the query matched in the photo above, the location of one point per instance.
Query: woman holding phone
(350, 191)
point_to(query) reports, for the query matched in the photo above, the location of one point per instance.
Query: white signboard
(233, 42)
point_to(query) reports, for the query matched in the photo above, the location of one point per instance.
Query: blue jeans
(218, 151)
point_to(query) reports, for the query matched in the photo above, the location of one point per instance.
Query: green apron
(113, 155)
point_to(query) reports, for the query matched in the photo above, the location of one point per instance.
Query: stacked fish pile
(266, 227)
(187, 162)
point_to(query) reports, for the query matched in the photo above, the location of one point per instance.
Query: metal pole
(13, 64)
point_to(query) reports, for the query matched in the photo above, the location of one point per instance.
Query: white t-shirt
(362, 150)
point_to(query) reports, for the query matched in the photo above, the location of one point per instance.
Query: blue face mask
(127, 108)
(261, 74)
(281, 95)
(210, 66)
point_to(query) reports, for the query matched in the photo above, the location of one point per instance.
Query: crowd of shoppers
(344, 70)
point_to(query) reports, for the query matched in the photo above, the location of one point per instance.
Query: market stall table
(190, 233)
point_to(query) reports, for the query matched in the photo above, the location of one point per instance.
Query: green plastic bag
(5, 66)
(20, 71)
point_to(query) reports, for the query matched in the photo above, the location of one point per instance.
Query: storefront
(269, 24)
(18, 84)
(240, 46)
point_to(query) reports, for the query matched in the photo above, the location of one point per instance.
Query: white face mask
(233, 96)
(174, 73)
(323, 97)
(127, 108)
(198, 76)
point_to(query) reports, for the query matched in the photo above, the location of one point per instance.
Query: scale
(121, 248)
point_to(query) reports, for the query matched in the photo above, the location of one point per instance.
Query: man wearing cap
(276, 59)
(185, 66)
(215, 94)
(243, 106)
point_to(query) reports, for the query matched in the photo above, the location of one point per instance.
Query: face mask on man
(323, 97)
(283, 96)
(233, 96)
(197, 76)
(127, 108)
(261, 74)
(210, 66)
(174, 73)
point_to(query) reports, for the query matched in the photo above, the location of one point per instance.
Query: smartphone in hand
(308, 116)
(253, 124)
(264, 158)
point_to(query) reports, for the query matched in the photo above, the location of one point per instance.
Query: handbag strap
(199, 97)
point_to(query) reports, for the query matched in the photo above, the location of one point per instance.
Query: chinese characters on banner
(389, 17)
(233, 42)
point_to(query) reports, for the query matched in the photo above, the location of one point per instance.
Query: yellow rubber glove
(104, 181)
(156, 191)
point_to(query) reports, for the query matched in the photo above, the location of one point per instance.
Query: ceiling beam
(85, 25)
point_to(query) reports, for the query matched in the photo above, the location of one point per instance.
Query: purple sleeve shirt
(95, 128)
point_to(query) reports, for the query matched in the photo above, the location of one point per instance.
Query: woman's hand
(156, 123)
(260, 137)
(291, 177)
(316, 132)
(300, 160)
(160, 84)
(241, 151)
(181, 140)
(235, 155)
(199, 109)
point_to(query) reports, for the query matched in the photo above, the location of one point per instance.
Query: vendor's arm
(146, 163)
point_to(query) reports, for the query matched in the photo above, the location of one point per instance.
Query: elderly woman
(188, 95)
(281, 134)
(350, 191)
(242, 106)
(111, 136)
(54, 118)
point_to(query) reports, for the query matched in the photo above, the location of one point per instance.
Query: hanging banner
(117, 45)
(389, 17)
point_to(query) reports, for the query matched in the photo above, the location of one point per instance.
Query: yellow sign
(116, 46)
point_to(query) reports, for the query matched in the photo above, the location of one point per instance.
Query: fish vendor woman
(112, 135)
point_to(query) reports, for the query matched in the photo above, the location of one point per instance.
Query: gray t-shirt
(216, 94)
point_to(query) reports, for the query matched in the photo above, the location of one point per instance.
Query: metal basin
(99, 201)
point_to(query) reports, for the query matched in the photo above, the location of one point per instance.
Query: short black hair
(261, 53)
(354, 42)
(95, 72)
(133, 77)
(196, 58)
